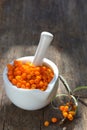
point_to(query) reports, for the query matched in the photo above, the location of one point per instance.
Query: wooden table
(21, 23)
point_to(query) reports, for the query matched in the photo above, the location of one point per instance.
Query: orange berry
(37, 73)
(72, 113)
(27, 75)
(70, 117)
(24, 82)
(44, 68)
(27, 85)
(41, 83)
(19, 85)
(54, 119)
(66, 108)
(46, 123)
(38, 68)
(10, 67)
(10, 77)
(18, 72)
(37, 81)
(10, 72)
(18, 78)
(65, 114)
(14, 81)
(23, 86)
(61, 108)
(31, 81)
(24, 76)
(38, 77)
(33, 86)
(45, 84)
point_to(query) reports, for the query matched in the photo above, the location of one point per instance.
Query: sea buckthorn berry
(54, 119)
(10, 77)
(27, 85)
(61, 108)
(19, 85)
(70, 117)
(27, 75)
(72, 113)
(41, 83)
(38, 68)
(24, 76)
(24, 82)
(10, 67)
(43, 68)
(23, 86)
(66, 108)
(36, 81)
(46, 123)
(18, 72)
(10, 72)
(65, 114)
(38, 77)
(31, 81)
(33, 86)
(18, 78)
(37, 73)
(14, 81)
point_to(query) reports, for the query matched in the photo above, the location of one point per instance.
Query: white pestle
(45, 40)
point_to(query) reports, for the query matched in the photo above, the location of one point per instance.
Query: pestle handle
(45, 40)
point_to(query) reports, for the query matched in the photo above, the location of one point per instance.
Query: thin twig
(65, 84)
(81, 101)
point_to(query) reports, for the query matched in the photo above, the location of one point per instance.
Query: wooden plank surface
(21, 22)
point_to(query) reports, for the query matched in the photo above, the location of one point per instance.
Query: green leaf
(79, 88)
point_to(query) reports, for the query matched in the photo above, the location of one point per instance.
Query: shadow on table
(13, 117)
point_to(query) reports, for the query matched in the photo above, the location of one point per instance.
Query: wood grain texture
(21, 22)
